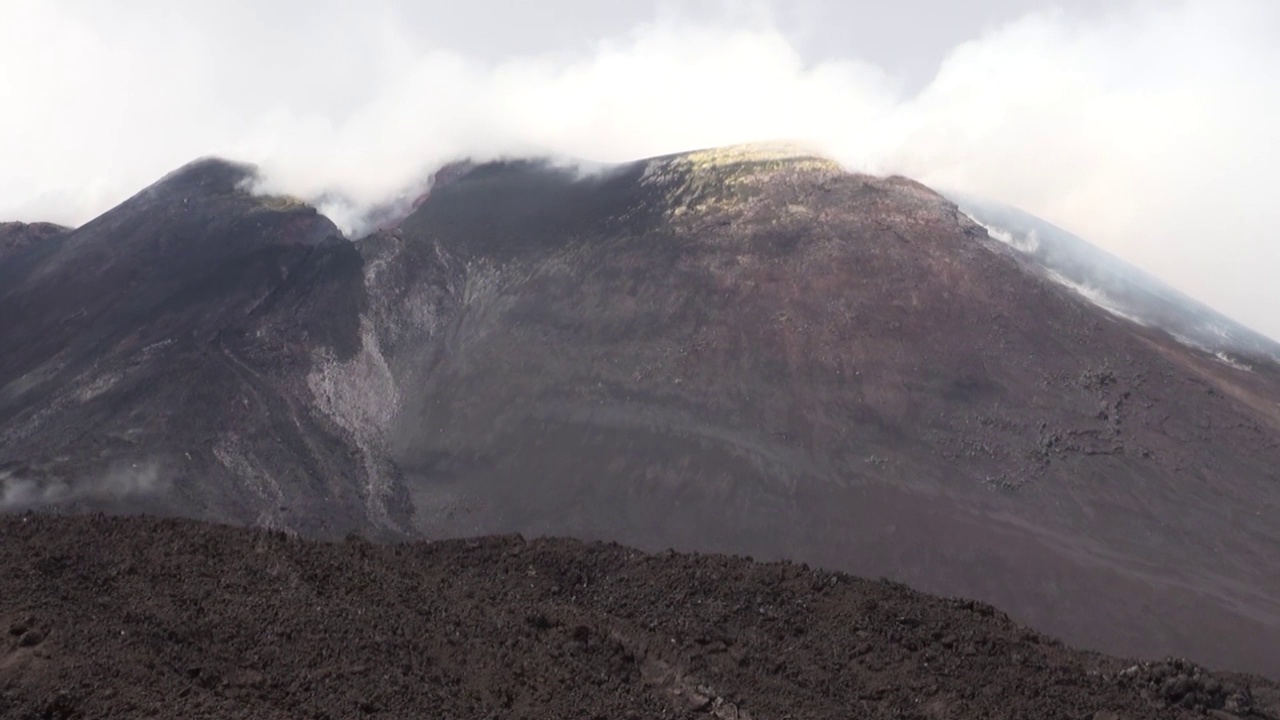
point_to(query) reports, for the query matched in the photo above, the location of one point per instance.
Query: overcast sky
(1149, 128)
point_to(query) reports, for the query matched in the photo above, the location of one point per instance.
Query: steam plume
(1150, 130)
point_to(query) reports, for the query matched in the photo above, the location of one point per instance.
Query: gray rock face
(741, 350)
(155, 358)
(17, 236)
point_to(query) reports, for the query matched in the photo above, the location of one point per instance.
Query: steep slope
(167, 618)
(151, 358)
(1117, 286)
(744, 350)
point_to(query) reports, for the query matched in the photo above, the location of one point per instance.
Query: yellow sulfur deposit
(718, 178)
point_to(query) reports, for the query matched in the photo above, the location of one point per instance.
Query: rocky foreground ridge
(138, 617)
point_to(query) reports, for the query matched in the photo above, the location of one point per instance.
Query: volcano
(742, 350)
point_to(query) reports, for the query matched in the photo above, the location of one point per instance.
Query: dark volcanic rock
(165, 618)
(16, 236)
(155, 358)
(742, 350)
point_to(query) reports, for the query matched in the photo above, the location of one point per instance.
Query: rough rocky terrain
(15, 236)
(743, 350)
(137, 618)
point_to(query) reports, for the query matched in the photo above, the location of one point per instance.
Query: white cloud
(121, 482)
(1150, 131)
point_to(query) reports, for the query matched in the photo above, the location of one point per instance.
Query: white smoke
(120, 482)
(1150, 130)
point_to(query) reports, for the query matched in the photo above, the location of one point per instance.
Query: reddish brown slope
(740, 351)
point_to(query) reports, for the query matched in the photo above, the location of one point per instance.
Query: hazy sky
(1149, 128)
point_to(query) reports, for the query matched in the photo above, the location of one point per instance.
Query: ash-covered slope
(744, 350)
(1118, 286)
(763, 354)
(129, 618)
(16, 236)
(150, 358)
